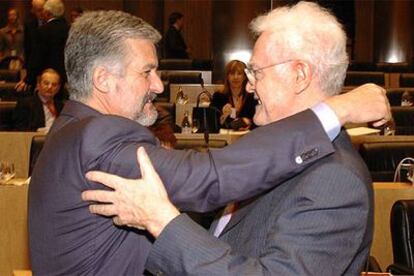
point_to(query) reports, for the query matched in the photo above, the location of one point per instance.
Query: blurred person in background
(14, 35)
(236, 105)
(31, 26)
(39, 111)
(48, 49)
(174, 44)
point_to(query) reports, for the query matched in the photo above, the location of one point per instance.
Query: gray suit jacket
(66, 239)
(316, 223)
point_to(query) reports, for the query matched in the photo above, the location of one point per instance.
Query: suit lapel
(244, 208)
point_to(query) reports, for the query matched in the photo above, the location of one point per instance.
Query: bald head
(38, 3)
(37, 8)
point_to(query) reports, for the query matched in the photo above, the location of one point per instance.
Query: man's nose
(156, 85)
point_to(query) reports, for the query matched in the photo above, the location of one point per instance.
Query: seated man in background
(39, 111)
(318, 222)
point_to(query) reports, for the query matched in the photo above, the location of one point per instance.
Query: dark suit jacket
(319, 222)
(31, 26)
(28, 114)
(49, 49)
(174, 44)
(66, 239)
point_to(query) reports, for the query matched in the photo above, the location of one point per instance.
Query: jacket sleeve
(322, 226)
(202, 182)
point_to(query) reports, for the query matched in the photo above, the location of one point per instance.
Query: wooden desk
(385, 195)
(226, 135)
(15, 147)
(14, 244)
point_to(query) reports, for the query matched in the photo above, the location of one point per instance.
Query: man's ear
(304, 75)
(101, 79)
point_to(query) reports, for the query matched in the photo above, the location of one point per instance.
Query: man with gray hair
(318, 222)
(111, 63)
(50, 43)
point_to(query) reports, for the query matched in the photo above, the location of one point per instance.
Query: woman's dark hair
(174, 17)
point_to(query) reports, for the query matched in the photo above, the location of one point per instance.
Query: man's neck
(44, 99)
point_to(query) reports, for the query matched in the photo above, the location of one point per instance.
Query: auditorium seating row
(382, 154)
(387, 80)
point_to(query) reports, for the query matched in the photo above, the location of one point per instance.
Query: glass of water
(7, 171)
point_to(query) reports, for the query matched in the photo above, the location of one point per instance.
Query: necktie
(51, 106)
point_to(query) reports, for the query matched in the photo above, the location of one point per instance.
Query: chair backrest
(404, 120)
(402, 232)
(176, 64)
(9, 75)
(6, 115)
(35, 149)
(354, 78)
(8, 93)
(186, 64)
(383, 158)
(407, 80)
(181, 76)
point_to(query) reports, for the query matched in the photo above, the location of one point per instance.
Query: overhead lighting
(242, 55)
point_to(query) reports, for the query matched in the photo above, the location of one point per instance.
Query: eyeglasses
(252, 74)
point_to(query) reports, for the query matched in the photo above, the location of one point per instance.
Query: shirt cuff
(328, 119)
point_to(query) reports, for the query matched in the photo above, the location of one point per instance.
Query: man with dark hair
(174, 43)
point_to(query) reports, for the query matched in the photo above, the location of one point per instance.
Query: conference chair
(6, 115)
(402, 235)
(407, 80)
(382, 158)
(404, 120)
(35, 149)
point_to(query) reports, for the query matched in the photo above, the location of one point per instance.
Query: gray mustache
(150, 97)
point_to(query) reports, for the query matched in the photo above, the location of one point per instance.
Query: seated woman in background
(236, 105)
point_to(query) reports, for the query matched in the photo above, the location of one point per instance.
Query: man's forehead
(261, 50)
(49, 76)
(142, 52)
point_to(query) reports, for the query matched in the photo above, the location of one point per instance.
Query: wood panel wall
(209, 24)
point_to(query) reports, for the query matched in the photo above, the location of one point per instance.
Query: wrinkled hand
(366, 103)
(140, 203)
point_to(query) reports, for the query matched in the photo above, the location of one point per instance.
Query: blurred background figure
(174, 44)
(13, 34)
(31, 26)
(38, 112)
(49, 44)
(237, 106)
(75, 13)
